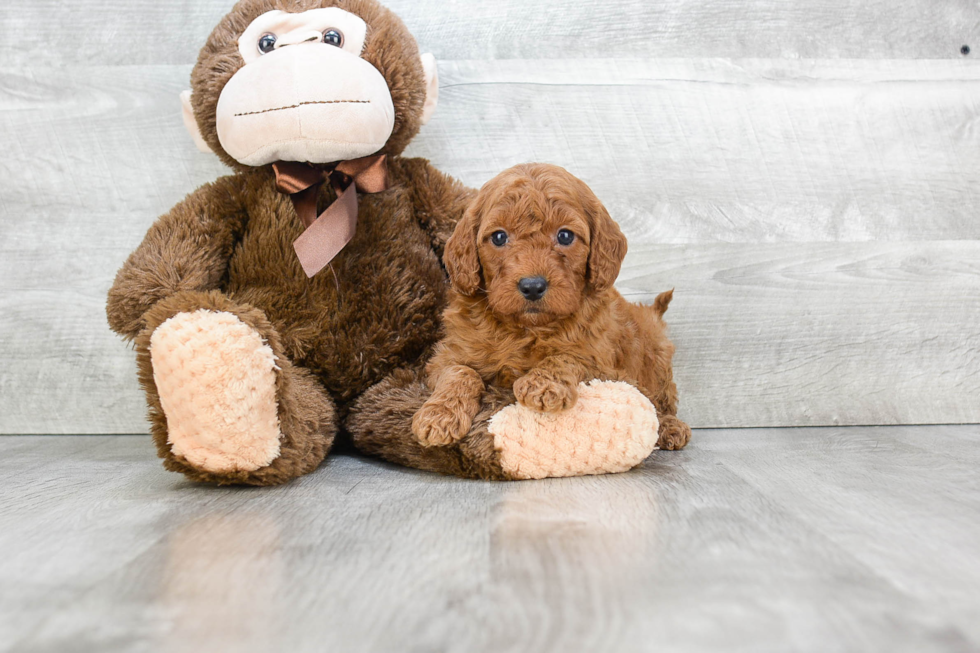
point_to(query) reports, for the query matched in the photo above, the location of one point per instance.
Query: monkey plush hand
(265, 304)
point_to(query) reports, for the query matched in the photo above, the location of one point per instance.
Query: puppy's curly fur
(580, 328)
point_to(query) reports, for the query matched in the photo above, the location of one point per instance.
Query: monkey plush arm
(440, 200)
(186, 249)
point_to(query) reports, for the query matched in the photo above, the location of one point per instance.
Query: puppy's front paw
(674, 434)
(436, 424)
(544, 392)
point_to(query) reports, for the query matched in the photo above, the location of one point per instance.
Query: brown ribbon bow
(329, 233)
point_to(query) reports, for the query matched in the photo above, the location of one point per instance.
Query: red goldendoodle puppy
(532, 266)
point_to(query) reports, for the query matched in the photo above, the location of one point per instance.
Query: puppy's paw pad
(436, 425)
(545, 393)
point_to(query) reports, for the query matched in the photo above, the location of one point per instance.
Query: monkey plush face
(318, 82)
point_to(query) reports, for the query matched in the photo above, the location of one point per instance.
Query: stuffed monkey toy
(299, 297)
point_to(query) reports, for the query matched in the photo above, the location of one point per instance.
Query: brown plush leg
(216, 363)
(380, 424)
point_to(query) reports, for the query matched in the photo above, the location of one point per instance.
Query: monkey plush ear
(431, 86)
(191, 124)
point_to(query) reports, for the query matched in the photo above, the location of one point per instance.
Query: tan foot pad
(611, 428)
(217, 385)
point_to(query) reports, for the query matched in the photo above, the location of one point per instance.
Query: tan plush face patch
(304, 93)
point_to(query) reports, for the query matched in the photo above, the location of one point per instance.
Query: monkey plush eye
(267, 43)
(565, 237)
(333, 37)
(499, 238)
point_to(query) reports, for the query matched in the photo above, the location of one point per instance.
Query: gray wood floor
(833, 539)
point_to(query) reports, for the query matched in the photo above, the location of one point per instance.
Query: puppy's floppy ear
(607, 249)
(461, 258)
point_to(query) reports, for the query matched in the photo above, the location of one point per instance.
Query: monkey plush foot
(227, 406)
(611, 428)
(217, 384)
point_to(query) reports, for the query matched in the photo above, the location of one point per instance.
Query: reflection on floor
(761, 539)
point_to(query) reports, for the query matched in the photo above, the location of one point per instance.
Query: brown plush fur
(580, 329)
(228, 247)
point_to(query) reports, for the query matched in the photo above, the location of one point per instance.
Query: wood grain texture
(95, 155)
(733, 180)
(145, 32)
(734, 151)
(818, 334)
(768, 539)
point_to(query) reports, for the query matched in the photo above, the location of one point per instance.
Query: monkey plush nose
(532, 287)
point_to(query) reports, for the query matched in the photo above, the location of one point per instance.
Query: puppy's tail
(662, 301)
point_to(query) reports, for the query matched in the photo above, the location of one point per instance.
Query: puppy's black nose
(532, 287)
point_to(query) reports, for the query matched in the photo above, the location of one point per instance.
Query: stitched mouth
(302, 104)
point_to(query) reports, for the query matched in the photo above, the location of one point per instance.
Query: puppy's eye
(499, 238)
(267, 43)
(565, 237)
(333, 37)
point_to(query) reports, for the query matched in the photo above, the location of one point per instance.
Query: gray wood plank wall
(803, 172)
